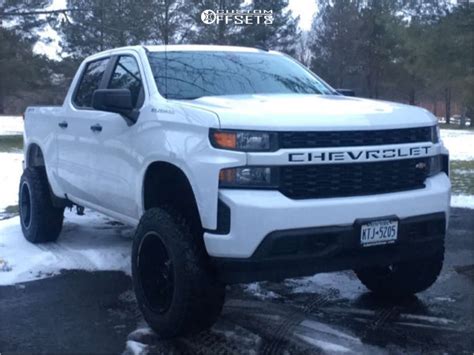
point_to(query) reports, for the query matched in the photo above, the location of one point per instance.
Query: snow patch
(87, 243)
(135, 348)
(466, 201)
(324, 345)
(10, 173)
(429, 319)
(256, 290)
(324, 328)
(347, 287)
(11, 125)
(459, 142)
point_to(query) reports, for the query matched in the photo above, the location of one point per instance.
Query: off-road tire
(41, 221)
(197, 297)
(402, 279)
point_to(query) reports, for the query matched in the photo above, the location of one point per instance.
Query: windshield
(193, 74)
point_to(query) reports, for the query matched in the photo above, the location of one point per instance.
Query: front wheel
(174, 282)
(402, 279)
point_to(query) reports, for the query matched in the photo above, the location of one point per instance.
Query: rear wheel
(174, 282)
(40, 220)
(402, 279)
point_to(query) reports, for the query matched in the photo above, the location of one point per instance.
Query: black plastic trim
(445, 163)
(223, 219)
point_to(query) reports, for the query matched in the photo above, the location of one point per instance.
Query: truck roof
(179, 47)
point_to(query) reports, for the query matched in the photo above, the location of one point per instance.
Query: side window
(126, 75)
(90, 82)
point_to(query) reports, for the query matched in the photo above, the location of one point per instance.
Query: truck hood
(303, 112)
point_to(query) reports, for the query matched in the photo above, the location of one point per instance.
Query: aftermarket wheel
(40, 220)
(174, 282)
(402, 279)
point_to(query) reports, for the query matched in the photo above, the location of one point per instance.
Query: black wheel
(40, 221)
(402, 279)
(174, 282)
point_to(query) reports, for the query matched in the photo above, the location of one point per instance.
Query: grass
(9, 212)
(11, 143)
(462, 177)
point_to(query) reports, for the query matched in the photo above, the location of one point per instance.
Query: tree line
(412, 51)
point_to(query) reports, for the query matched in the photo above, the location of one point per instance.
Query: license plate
(378, 233)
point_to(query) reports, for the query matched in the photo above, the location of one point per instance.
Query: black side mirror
(346, 92)
(115, 100)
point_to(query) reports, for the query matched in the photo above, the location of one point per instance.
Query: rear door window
(126, 75)
(90, 82)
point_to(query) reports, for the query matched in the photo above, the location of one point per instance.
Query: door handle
(62, 124)
(96, 128)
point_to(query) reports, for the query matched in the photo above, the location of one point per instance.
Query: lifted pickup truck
(237, 165)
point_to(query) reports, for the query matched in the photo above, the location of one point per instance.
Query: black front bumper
(303, 252)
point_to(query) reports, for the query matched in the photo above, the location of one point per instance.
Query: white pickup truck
(237, 165)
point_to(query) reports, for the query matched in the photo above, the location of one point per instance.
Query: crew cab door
(96, 163)
(117, 166)
(77, 144)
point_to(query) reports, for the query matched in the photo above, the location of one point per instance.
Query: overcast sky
(303, 8)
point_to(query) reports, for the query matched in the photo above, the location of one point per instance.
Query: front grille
(323, 139)
(342, 180)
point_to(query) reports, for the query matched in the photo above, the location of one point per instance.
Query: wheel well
(34, 157)
(167, 185)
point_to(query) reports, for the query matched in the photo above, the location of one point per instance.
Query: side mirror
(115, 100)
(346, 92)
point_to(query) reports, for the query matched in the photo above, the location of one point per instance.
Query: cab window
(90, 82)
(126, 75)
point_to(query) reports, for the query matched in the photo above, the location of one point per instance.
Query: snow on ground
(459, 142)
(465, 201)
(90, 242)
(10, 173)
(11, 125)
(256, 290)
(342, 282)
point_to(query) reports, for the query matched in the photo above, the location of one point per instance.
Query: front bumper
(256, 214)
(302, 252)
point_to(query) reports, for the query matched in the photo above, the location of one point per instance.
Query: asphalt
(83, 312)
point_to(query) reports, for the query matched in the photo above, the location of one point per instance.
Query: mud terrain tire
(41, 221)
(174, 282)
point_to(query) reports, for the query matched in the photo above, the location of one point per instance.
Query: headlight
(249, 177)
(246, 141)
